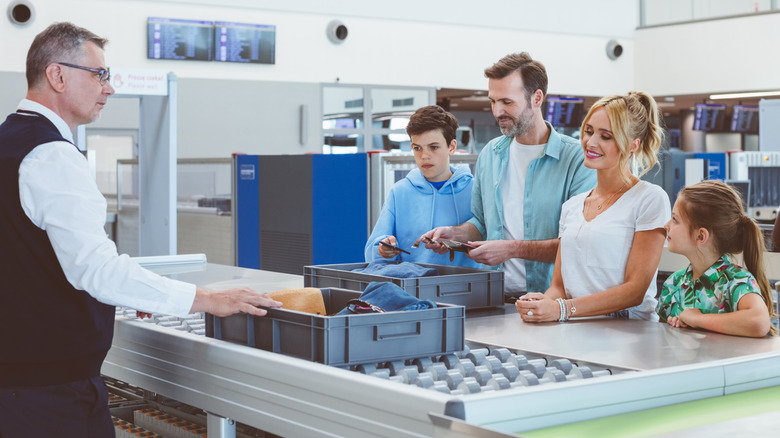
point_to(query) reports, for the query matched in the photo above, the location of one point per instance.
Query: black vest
(50, 332)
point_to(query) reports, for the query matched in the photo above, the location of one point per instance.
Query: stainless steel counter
(292, 397)
(220, 277)
(630, 344)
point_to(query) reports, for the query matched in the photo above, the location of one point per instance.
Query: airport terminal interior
(251, 143)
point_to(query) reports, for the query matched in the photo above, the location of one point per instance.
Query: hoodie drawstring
(454, 203)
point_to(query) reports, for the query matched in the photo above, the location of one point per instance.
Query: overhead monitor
(240, 42)
(709, 117)
(564, 111)
(744, 119)
(672, 139)
(171, 38)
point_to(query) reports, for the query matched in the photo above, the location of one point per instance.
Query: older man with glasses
(61, 274)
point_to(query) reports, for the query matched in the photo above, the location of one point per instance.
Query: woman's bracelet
(567, 310)
(562, 305)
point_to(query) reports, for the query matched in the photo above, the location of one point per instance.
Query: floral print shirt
(718, 290)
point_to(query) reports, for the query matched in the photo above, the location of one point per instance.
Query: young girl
(708, 225)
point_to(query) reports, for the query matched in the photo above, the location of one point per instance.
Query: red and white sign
(139, 82)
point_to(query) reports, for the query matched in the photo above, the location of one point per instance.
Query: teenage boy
(433, 195)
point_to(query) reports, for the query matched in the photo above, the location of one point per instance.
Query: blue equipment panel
(299, 210)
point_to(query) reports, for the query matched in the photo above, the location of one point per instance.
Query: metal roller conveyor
(483, 390)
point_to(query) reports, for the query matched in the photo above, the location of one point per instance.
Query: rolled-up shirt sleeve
(59, 196)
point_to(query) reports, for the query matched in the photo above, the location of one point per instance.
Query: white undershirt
(512, 197)
(60, 196)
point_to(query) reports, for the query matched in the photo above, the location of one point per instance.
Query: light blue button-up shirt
(554, 177)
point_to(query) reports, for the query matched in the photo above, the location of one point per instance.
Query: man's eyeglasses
(104, 74)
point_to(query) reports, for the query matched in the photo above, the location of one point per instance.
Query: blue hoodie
(413, 207)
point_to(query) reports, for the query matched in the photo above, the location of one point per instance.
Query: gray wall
(388, 44)
(217, 117)
(12, 90)
(220, 117)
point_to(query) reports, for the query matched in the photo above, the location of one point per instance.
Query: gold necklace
(598, 207)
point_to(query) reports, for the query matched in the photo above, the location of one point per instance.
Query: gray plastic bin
(468, 287)
(347, 339)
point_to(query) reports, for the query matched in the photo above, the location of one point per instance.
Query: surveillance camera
(20, 12)
(614, 50)
(337, 31)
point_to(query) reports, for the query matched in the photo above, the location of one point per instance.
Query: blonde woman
(611, 237)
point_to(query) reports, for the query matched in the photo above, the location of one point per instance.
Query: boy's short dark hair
(432, 117)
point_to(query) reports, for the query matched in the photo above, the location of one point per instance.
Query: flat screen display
(709, 117)
(744, 119)
(240, 42)
(170, 38)
(564, 111)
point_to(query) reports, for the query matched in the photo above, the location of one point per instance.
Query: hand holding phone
(393, 247)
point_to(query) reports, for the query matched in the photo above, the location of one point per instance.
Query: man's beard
(520, 126)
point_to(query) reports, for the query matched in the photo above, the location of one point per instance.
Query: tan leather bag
(307, 299)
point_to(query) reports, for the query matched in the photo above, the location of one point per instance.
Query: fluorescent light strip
(745, 95)
(170, 259)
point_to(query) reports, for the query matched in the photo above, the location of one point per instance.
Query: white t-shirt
(512, 196)
(594, 254)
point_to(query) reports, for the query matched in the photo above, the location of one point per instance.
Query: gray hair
(58, 42)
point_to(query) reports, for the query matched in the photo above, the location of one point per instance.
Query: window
(346, 108)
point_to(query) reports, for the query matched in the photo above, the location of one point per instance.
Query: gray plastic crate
(347, 339)
(468, 287)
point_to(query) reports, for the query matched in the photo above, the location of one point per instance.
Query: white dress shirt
(60, 196)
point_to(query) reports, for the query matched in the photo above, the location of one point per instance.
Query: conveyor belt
(292, 397)
(470, 371)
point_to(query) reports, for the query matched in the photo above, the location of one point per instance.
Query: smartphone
(457, 246)
(382, 242)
